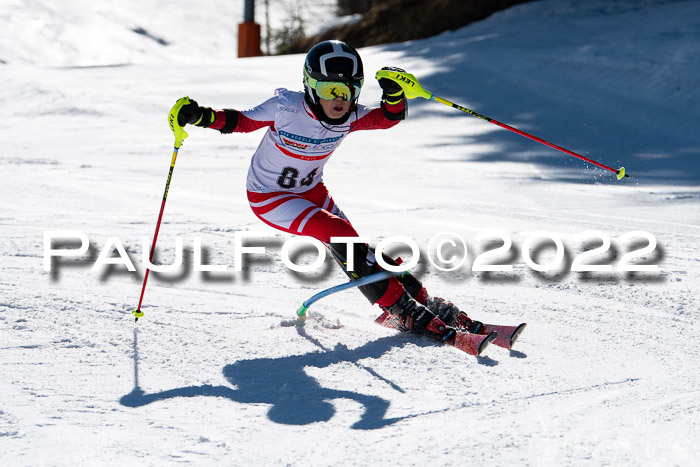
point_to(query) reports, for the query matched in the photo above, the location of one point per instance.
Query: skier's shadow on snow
(295, 397)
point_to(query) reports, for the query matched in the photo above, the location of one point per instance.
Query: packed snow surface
(218, 372)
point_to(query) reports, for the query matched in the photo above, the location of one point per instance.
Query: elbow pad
(231, 121)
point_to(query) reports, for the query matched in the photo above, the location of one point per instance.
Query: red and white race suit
(285, 179)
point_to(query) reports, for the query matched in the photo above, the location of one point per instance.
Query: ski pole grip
(178, 131)
(410, 85)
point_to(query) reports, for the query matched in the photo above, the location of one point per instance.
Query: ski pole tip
(137, 314)
(621, 173)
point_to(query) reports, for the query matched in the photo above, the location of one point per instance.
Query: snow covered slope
(216, 372)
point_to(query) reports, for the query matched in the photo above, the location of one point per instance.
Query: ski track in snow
(218, 371)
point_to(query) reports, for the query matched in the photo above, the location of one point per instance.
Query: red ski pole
(413, 89)
(180, 135)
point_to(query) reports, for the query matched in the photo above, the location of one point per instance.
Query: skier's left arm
(391, 110)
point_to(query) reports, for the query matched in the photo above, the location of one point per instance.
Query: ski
(507, 335)
(473, 344)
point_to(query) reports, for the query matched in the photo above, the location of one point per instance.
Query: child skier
(285, 180)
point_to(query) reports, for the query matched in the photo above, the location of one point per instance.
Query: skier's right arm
(227, 120)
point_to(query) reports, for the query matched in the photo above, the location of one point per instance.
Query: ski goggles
(330, 90)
